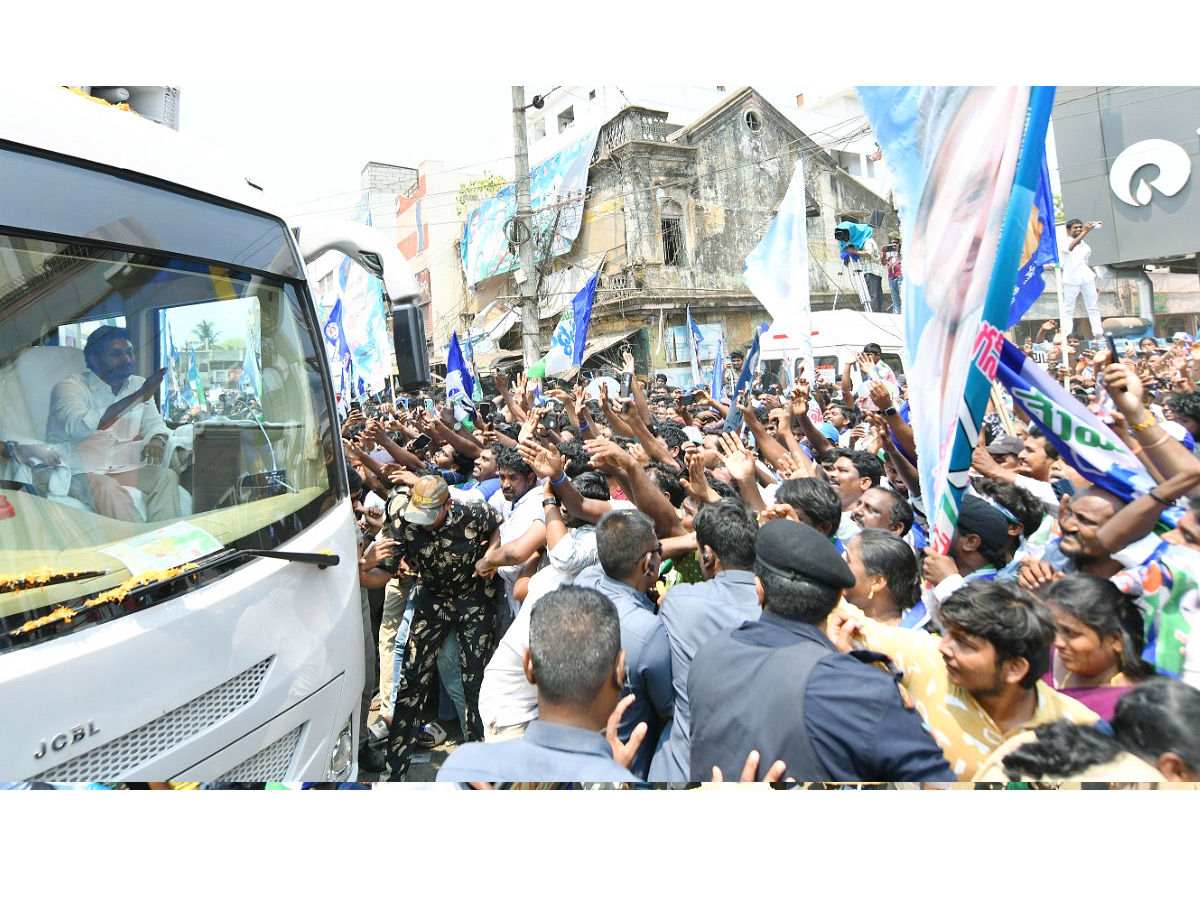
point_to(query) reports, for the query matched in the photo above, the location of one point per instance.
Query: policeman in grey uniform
(779, 686)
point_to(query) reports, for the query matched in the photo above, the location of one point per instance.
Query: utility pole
(520, 230)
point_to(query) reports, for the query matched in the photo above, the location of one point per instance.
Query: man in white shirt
(1078, 276)
(508, 700)
(113, 433)
(522, 533)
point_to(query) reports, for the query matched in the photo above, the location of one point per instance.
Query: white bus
(215, 633)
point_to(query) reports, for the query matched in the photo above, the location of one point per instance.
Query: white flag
(777, 270)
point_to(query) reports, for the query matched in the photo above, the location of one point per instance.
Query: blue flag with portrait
(1040, 250)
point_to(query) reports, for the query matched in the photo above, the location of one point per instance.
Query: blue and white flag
(733, 421)
(570, 337)
(172, 385)
(459, 384)
(469, 353)
(1040, 250)
(716, 385)
(251, 380)
(340, 360)
(695, 339)
(193, 389)
(965, 163)
(1084, 442)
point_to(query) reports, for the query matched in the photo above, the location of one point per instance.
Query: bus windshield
(154, 411)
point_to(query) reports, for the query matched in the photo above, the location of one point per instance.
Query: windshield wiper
(321, 560)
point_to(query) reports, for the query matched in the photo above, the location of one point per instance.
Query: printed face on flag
(957, 151)
(971, 171)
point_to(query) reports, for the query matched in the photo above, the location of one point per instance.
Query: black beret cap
(977, 516)
(799, 551)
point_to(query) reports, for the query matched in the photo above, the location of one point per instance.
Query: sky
(306, 98)
(308, 145)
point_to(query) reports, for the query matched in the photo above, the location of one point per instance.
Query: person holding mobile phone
(1078, 277)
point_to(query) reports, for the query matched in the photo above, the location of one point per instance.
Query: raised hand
(150, 388)
(879, 394)
(372, 430)
(738, 460)
(529, 426)
(696, 483)
(545, 461)
(639, 455)
(800, 399)
(1126, 391)
(374, 516)
(937, 568)
(607, 456)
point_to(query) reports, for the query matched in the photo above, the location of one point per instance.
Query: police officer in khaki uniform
(779, 686)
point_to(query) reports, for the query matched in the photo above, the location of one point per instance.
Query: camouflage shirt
(444, 559)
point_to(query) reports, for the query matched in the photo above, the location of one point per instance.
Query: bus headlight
(341, 758)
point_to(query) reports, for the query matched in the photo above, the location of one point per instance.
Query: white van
(838, 336)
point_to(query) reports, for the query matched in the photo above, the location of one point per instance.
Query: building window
(753, 121)
(591, 95)
(539, 128)
(566, 119)
(673, 243)
(851, 162)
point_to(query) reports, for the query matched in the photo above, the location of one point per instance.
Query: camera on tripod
(841, 234)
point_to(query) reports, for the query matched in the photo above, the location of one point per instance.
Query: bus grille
(109, 762)
(271, 763)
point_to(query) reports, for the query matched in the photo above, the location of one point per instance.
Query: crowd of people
(630, 589)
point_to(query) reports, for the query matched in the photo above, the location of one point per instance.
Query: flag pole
(1002, 409)
(1064, 327)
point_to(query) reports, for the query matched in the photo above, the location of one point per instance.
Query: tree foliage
(472, 193)
(206, 332)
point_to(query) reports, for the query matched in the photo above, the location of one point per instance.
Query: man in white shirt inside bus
(114, 434)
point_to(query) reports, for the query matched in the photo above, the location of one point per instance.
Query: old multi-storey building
(672, 211)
